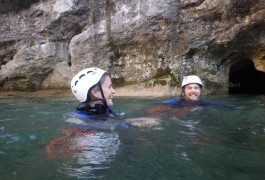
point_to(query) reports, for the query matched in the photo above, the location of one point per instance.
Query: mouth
(193, 96)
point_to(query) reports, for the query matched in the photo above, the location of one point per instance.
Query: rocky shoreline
(133, 91)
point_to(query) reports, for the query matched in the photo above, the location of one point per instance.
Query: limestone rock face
(143, 43)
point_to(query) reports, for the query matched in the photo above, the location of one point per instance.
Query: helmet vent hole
(76, 82)
(81, 76)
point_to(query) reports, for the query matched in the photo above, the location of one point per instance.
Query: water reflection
(207, 143)
(88, 151)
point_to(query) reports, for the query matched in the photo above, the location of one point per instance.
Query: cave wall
(143, 43)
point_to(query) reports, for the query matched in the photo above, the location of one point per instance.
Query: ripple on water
(9, 138)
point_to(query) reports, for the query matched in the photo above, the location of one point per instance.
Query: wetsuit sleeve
(98, 122)
(209, 103)
(111, 112)
(171, 101)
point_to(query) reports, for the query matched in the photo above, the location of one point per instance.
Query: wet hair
(182, 92)
(96, 86)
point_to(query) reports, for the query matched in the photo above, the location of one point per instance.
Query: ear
(96, 93)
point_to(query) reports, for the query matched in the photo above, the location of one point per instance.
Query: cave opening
(244, 78)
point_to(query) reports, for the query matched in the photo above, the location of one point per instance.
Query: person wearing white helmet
(190, 98)
(93, 88)
(191, 88)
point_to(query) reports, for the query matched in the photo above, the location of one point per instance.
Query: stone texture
(147, 44)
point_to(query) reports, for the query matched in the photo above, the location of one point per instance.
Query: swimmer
(189, 100)
(191, 94)
(191, 88)
(93, 88)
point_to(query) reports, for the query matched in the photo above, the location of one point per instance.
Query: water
(36, 141)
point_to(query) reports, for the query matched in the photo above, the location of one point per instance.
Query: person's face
(192, 92)
(108, 91)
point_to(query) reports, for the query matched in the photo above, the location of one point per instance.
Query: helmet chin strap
(102, 94)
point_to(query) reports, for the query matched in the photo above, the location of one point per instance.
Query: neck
(95, 109)
(94, 103)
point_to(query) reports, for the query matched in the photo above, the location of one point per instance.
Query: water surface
(37, 141)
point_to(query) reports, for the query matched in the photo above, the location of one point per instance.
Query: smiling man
(188, 101)
(191, 88)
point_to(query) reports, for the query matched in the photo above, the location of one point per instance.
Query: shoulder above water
(183, 102)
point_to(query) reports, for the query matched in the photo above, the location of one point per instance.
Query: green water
(207, 143)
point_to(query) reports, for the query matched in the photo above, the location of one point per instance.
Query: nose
(113, 91)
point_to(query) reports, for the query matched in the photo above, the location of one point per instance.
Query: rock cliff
(144, 44)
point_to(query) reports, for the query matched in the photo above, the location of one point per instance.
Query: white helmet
(84, 80)
(191, 79)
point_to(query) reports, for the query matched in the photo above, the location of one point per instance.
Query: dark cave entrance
(244, 78)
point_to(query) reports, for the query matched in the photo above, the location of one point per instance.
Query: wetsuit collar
(99, 109)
